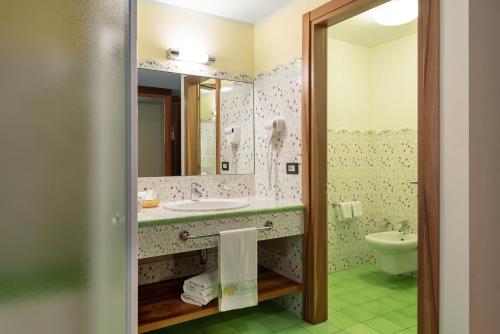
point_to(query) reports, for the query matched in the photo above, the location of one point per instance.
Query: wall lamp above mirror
(190, 56)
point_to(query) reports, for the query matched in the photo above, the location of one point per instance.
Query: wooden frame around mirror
(314, 153)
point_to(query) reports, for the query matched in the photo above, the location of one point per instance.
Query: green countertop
(257, 206)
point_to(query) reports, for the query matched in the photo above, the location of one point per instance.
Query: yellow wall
(349, 85)
(160, 27)
(240, 48)
(373, 88)
(278, 38)
(394, 84)
(207, 105)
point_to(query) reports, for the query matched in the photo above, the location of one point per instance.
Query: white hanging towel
(357, 210)
(346, 210)
(238, 269)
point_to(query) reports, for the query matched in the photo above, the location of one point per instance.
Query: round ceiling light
(396, 12)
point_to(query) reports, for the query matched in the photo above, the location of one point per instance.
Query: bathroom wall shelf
(160, 305)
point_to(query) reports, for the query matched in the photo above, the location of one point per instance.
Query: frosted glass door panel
(64, 110)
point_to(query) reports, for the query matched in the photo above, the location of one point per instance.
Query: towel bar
(336, 203)
(185, 236)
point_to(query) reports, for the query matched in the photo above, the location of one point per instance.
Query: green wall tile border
(218, 215)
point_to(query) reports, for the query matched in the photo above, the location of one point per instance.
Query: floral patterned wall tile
(175, 66)
(179, 187)
(175, 267)
(163, 239)
(237, 111)
(207, 147)
(376, 168)
(288, 265)
(278, 94)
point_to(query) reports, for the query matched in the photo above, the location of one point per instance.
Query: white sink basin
(397, 252)
(207, 204)
(392, 242)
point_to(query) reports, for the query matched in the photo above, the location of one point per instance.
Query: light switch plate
(292, 168)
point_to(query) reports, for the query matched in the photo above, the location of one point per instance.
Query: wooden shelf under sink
(160, 305)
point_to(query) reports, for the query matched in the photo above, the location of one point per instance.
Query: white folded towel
(238, 269)
(346, 210)
(203, 281)
(206, 292)
(357, 210)
(197, 299)
(201, 289)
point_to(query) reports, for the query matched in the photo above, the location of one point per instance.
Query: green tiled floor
(363, 300)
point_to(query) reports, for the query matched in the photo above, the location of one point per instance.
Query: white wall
(454, 282)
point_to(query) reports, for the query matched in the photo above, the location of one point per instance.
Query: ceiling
(249, 11)
(363, 30)
(160, 79)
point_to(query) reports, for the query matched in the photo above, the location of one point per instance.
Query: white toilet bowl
(397, 252)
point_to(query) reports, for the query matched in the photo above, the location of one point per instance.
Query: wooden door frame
(314, 154)
(218, 132)
(166, 96)
(190, 80)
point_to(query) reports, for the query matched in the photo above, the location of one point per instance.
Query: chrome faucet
(387, 223)
(225, 187)
(405, 227)
(195, 192)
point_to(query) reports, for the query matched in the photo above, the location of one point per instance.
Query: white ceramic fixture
(206, 204)
(397, 252)
(191, 56)
(395, 12)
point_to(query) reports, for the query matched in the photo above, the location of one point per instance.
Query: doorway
(372, 172)
(315, 37)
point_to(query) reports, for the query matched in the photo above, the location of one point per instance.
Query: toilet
(397, 252)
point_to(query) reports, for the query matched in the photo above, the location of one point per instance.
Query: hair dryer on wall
(233, 135)
(275, 127)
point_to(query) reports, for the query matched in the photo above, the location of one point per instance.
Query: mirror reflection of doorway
(159, 122)
(202, 125)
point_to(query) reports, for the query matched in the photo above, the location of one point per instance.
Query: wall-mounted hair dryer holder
(275, 127)
(233, 135)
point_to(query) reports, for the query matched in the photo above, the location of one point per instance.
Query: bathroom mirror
(194, 125)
